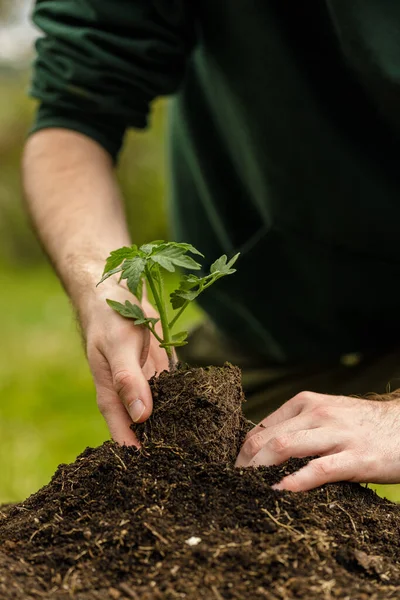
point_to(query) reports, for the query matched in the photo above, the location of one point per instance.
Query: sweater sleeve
(100, 63)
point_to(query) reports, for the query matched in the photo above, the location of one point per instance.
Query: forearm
(75, 206)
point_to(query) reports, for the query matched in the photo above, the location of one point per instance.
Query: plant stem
(159, 299)
(178, 314)
(154, 332)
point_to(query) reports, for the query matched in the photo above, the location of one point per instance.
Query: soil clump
(176, 520)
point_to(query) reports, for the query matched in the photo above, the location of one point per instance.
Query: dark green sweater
(285, 145)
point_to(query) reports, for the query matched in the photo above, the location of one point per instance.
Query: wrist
(80, 279)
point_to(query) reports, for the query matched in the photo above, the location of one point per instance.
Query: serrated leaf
(132, 311)
(118, 256)
(128, 310)
(188, 248)
(132, 271)
(176, 246)
(146, 321)
(174, 255)
(164, 262)
(222, 267)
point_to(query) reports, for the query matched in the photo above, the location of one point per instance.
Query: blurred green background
(48, 413)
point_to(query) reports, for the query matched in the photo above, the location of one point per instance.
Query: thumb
(130, 384)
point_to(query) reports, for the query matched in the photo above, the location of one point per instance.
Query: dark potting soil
(176, 520)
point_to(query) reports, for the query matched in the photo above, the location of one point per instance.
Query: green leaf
(128, 310)
(179, 297)
(174, 255)
(149, 248)
(176, 300)
(188, 248)
(118, 256)
(219, 265)
(176, 245)
(170, 262)
(189, 289)
(132, 311)
(222, 267)
(146, 321)
(187, 282)
(233, 260)
(139, 290)
(132, 271)
(180, 337)
(164, 262)
(187, 262)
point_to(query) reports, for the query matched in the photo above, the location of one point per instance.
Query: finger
(130, 384)
(292, 408)
(308, 442)
(117, 419)
(149, 369)
(253, 444)
(328, 469)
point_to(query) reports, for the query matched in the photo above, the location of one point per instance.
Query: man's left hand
(354, 440)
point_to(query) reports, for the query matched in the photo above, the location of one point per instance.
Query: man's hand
(76, 208)
(355, 440)
(122, 357)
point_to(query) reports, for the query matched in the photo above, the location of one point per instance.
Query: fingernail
(136, 410)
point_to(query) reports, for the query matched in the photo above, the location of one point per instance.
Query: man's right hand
(122, 357)
(76, 208)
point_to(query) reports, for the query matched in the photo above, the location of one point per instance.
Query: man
(285, 146)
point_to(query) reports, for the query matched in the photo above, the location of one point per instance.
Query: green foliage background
(48, 412)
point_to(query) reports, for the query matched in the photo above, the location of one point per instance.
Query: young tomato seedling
(145, 264)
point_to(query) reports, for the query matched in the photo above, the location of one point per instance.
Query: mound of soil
(170, 522)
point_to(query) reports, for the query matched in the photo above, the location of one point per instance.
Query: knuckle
(304, 398)
(293, 482)
(322, 468)
(279, 444)
(122, 381)
(321, 412)
(253, 445)
(300, 397)
(103, 402)
(102, 406)
(252, 432)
